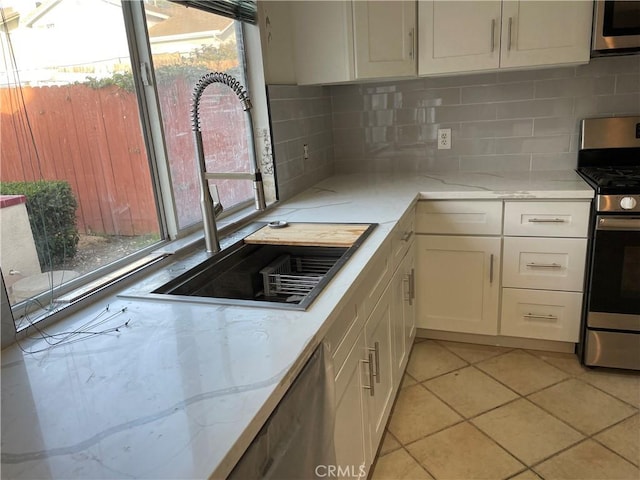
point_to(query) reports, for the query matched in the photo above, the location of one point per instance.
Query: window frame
(173, 239)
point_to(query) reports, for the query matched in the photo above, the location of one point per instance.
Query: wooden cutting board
(309, 234)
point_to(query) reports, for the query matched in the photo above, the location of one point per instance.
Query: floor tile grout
(568, 375)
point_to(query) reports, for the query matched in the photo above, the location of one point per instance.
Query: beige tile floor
(468, 412)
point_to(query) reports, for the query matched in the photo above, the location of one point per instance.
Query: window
(187, 43)
(99, 162)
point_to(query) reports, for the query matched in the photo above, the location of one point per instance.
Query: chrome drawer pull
(370, 387)
(544, 317)
(546, 220)
(544, 265)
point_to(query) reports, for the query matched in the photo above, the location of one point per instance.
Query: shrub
(51, 207)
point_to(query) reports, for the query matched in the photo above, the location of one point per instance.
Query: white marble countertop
(181, 389)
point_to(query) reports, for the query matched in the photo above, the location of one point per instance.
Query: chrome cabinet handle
(376, 351)
(491, 269)
(370, 387)
(406, 292)
(411, 46)
(412, 286)
(544, 265)
(509, 34)
(406, 236)
(493, 34)
(546, 220)
(544, 317)
(410, 281)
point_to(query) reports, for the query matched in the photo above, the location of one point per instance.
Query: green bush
(52, 214)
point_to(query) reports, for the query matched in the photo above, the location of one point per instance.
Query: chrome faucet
(210, 208)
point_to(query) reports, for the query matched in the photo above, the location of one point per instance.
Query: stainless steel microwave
(616, 27)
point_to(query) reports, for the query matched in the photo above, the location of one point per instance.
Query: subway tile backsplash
(299, 116)
(511, 120)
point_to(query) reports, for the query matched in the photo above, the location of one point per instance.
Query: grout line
(519, 396)
(609, 448)
(419, 463)
(637, 407)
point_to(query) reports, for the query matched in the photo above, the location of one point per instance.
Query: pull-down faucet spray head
(209, 211)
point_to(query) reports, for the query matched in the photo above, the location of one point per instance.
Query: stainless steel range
(609, 159)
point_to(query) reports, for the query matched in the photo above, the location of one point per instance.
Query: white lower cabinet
(403, 312)
(351, 433)
(378, 332)
(458, 282)
(369, 343)
(535, 253)
(545, 249)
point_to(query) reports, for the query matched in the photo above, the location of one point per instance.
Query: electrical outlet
(444, 139)
(305, 151)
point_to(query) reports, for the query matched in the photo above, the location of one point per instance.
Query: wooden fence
(92, 139)
(89, 138)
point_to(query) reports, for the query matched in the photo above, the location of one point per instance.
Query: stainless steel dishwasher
(298, 436)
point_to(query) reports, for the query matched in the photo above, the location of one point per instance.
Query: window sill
(121, 274)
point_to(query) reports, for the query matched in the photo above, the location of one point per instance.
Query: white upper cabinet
(323, 39)
(384, 38)
(458, 36)
(276, 36)
(342, 41)
(543, 33)
(487, 35)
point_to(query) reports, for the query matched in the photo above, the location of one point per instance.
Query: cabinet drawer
(544, 263)
(402, 238)
(541, 314)
(459, 217)
(546, 219)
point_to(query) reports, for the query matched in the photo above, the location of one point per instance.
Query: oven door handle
(617, 223)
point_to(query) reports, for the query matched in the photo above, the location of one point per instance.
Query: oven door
(614, 294)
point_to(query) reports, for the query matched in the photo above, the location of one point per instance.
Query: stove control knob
(628, 203)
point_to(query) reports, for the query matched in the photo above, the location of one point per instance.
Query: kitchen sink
(263, 275)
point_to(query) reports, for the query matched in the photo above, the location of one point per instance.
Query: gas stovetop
(609, 160)
(613, 179)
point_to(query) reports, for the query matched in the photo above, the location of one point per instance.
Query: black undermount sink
(274, 276)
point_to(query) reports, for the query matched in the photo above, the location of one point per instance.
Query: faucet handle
(215, 198)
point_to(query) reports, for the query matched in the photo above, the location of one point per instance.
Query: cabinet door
(399, 292)
(458, 36)
(384, 38)
(323, 33)
(351, 432)
(378, 332)
(545, 33)
(458, 283)
(409, 304)
(276, 35)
